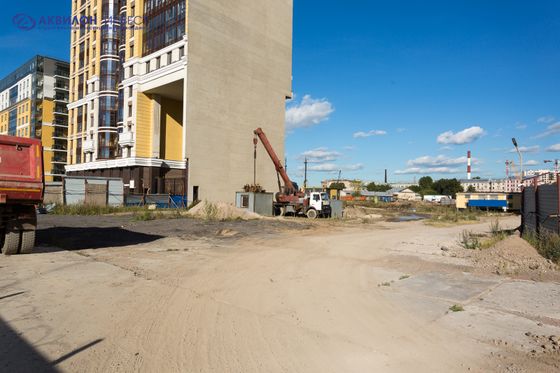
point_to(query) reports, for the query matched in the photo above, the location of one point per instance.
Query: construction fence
(102, 191)
(94, 191)
(541, 208)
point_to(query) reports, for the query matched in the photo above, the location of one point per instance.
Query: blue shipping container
(487, 203)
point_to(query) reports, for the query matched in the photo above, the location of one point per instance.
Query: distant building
(492, 185)
(33, 102)
(508, 185)
(378, 196)
(403, 185)
(542, 176)
(349, 184)
(408, 195)
(499, 201)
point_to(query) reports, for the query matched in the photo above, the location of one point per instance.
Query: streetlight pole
(514, 141)
(556, 168)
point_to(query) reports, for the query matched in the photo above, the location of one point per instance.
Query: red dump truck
(21, 189)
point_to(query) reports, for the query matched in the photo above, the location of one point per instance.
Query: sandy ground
(271, 296)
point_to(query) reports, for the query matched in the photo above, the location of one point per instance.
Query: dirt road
(186, 296)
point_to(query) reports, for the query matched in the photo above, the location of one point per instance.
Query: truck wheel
(312, 214)
(27, 242)
(28, 235)
(12, 239)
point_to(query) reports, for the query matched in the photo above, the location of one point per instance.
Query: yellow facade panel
(172, 130)
(144, 126)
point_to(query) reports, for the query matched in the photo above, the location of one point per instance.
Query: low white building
(408, 195)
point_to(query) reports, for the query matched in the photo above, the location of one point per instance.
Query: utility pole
(255, 142)
(514, 141)
(305, 180)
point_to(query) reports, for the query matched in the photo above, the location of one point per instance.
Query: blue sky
(377, 83)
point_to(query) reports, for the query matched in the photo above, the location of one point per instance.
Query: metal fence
(159, 200)
(541, 208)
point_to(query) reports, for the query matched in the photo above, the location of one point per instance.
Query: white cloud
(553, 148)
(527, 149)
(546, 119)
(361, 134)
(550, 130)
(440, 160)
(320, 155)
(532, 163)
(520, 126)
(309, 112)
(446, 147)
(401, 130)
(331, 167)
(465, 136)
(428, 170)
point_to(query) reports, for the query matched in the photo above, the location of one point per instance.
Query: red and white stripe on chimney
(469, 164)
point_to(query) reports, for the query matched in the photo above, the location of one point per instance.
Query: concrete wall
(238, 76)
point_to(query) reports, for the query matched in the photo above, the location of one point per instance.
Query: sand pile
(517, 258)
(360, 212)
(221, 211)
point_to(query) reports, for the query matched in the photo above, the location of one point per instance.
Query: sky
(406, 86)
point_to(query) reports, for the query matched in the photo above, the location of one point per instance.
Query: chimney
(469, 162)
(386, 179)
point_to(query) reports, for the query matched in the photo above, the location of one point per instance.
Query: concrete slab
(459, 287)
(536, 299)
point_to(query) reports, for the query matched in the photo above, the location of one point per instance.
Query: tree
(471, 189)
(448, 187)
(415, 188)
(337, 186)
(426, 182)
(372, 187)
(357, 185)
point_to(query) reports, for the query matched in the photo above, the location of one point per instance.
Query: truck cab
(318, 205)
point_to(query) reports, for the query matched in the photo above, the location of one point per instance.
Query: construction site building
(166, 94)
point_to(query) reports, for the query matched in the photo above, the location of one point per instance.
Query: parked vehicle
(21, 189)
(289, 199)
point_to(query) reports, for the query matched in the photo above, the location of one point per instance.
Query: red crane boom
(289, 187)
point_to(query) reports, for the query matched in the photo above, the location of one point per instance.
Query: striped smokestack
(469, 162)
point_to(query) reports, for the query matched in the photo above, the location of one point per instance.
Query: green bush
(469, 240)
(82, 209)
(145, 216)
(547, 244)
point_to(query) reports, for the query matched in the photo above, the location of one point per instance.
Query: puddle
(405, 218)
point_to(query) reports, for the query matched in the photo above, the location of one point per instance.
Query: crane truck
(21, 188)
(289, 199)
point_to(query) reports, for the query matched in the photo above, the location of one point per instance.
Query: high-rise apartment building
(33, 102)
(164, 91)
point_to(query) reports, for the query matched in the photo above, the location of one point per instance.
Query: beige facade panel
(239, 75)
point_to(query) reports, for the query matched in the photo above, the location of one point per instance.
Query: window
(245, 201)
(164, 24)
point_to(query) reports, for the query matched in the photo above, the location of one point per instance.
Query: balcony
(126, 139)
(59, 158)
(61, 87)
(88, 146)
(60, 133)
